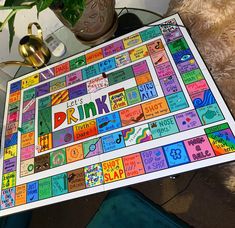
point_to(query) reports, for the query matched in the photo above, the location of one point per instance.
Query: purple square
(187, 120)
(46, 74)
(63, 137)
(9, 165)
(74, 77)
(140, 68)
(187, 66)
(77, 91)
(164, 70)
(28, 115)
(170, 85)
(154, 160)
(113, 48)
(42, 89)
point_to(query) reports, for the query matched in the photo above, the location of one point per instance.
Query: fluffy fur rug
(212, 27)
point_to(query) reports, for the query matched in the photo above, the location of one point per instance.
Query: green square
(13, 107)
(44, 102)
(45, 190)
(28, 126)
(57, 84)
(217, 128)
(59, 184)
(150, 33)
(77, 62)
(133, 96)
(57, 158)
(163, 127)
(192, 76)
(178, 45)
(177, 101)
(120, 75)
(44, 121)
(210, 114)
(29, 94)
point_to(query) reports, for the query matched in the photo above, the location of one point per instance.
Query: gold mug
(32, 49)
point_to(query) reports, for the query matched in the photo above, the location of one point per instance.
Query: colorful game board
(137, 108)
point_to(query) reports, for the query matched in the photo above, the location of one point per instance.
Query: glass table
(74, 46)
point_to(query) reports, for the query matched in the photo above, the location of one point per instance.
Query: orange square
(62, 68)
(74, 153)
(131, 115)
(20, 195)
(45, 142)
(94, 56)
(133, 165)
(14, 97)
(143, 78)
(155, 108)
(59, 97)
(27, 139)
(85, 130)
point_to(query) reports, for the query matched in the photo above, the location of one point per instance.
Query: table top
(74, 46)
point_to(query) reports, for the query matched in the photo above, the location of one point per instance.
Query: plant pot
(97, 24)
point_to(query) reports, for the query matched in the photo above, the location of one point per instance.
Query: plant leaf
(1, 26)
(71, 15)
(43, 4)
(17, 2)
(9, 2)
(11, 31)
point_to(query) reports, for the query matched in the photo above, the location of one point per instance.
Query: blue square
(15, 86)
(8, 198)
(108, 122)
(113, 141)
(90, 71)
(32, 191)
(11, 140)
(201, 101)
(147, 91)
(107, 65)
(59, 184)
(176, 154)
(182, 56)
(177, 101)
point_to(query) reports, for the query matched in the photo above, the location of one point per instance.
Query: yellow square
(10, 152)
(9, 180)
(138, 53)
(30, 81)
(132, 40)
(113, 170)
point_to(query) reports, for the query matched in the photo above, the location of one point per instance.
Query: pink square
(27, 152)
(28, 105)
(199, 148)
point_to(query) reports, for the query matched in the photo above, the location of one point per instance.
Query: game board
(139, 107)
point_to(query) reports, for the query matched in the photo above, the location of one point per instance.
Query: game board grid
(222, 141)
(152, 160)
(147, 132)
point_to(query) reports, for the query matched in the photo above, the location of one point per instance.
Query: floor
(204, 202)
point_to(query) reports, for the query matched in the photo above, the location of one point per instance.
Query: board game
(137, 108)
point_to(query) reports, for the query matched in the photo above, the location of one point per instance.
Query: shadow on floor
(205, 202)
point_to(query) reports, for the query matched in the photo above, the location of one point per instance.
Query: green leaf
(71, 15)
(74, 4)
(43, 4)
(11, 31)
(1, 26)
(17, 2)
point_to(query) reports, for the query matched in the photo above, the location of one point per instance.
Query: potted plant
(92, 21)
